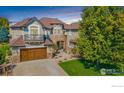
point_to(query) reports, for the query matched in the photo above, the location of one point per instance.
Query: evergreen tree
(101, 34)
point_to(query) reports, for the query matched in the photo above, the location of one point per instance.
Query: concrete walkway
(44, 67)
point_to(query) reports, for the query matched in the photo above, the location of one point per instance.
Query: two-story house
(43, 32)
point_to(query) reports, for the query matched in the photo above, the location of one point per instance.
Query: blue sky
(65, 13)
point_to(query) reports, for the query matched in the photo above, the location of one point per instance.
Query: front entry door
(60, 44)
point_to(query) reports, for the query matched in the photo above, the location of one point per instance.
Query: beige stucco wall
(16, 33)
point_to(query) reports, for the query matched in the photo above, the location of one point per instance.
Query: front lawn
(77, 68)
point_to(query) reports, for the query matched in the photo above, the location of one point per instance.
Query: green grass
(76, 68)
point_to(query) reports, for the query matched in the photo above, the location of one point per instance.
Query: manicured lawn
(76, 68)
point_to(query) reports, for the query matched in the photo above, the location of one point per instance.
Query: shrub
(4, 52)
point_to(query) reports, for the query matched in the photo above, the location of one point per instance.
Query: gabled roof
(47, 22)
(22, 23)
(25, 22)
(72, 26)
(17, 42)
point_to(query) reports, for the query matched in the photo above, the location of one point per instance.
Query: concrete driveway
(44, 67)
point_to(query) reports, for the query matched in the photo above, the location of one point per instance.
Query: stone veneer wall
(56, 38)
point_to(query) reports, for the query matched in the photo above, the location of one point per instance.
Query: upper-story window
(70, 32)
(58, 31)
(57, 26)
(45, 32)
(34, 30)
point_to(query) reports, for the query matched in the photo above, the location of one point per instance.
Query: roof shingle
(72, 26)
(17, 42)
(48, 42)
(49, 21)
(22, 23)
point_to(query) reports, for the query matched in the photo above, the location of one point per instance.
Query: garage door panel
(33, 54)
(24, 56)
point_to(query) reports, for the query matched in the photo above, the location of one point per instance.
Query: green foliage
(4, 30)
(4, 52)
(101, 35)
(4, 22)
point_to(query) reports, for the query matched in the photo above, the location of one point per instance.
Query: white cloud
(69, 21)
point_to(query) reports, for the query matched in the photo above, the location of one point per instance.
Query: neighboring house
(44, 32)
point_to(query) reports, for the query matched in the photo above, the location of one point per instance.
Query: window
(45, 32)
(34, 30)
(70, 33)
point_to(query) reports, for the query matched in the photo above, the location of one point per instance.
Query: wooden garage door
(33, 53)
